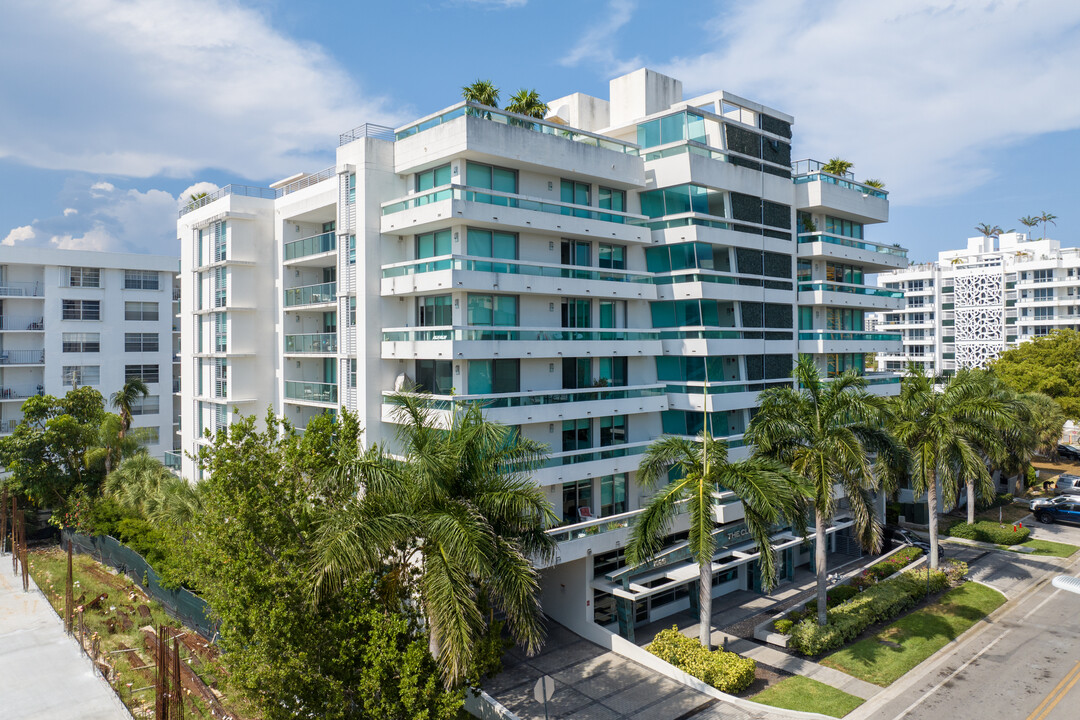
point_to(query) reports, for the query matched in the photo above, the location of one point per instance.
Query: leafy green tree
(483, 92)
(826, 431)
(838, 166)
(1046, 365)
(768, 490)
(461, 506)
(46, 454)
(527, 102)
(1046, 217)
(948, 434)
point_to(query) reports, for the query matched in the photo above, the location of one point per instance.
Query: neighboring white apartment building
(596, 279)
(965, 309)
(77, 317)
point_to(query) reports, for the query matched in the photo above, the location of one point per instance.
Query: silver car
(1048, 502)
(1067, 484)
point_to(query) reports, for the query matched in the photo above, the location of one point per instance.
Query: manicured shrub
(783, 626)
(991, 532)
(876, 604)
(725, 671)
(843, 593)
(893, 564)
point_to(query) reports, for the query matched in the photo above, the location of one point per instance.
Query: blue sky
(114, 109)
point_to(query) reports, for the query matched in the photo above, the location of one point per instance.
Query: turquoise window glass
(433, 244)
(612, 256)
(677, 200)
(695, 128)
(477, 175)
(428, 179)
(652, 203)
(613, 494)
(663, 314)
(657, 260)
(607, 314)
(505, 310)
(479, 242)
(672, 128)
(806, 318)
(434, 310)
(480, 378)
(479, 310)
(648, 133)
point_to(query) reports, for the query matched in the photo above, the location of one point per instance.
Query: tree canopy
(1049, 365)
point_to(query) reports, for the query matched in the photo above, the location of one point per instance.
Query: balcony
(475, 342)
(819, 191)
(321, 294)
(172, 460)
(22, 357)
(845, 341)
(849, 295)
(552, 406)
(7, 426)
(872, 256)
(306, 247)
(467, 272)
(19, 394)
(14, 324)
(21, 289)
(312, 392)
(315, 343)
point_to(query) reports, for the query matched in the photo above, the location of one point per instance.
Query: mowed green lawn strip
(802, 693)
(1052, 549)
(912, 639)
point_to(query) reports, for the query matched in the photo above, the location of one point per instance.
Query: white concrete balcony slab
(483, 342)
(593, 462)
(820, 292)
(819, 191)
(872, 257)
(727, 395)
(707, 341)
(690, 232)
(465, 272)
(715, 285)
(479, 207)
(816, 342)
(552, 406)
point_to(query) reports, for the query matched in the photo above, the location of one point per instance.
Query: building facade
(624, 268)
(969, 306)
(74, 318)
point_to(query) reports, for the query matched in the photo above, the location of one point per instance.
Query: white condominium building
(596, 279)
(75, 317)
(968, 307)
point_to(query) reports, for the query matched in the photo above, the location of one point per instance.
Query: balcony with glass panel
(317, 250)
(313, 296)
(483, 207)
(873, 257)
(848, 341)
(819, 191)
(311, 344)
(550, 405)
(467, 272)
(837, 294)
(486, 341)
(312, 393)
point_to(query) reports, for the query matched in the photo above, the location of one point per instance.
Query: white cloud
(199, 187)
(19, 234)
(96, 238)
(68, 212)
(170, 88)
(101, 189)
(597, 45)
(917, 93)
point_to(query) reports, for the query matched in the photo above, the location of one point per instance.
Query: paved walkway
(42, 672)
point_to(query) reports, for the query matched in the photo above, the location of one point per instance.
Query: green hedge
(991, 532)
(725, 671)
(881, 602)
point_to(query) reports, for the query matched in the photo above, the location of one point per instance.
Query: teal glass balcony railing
(502, 117)
(535, 399)
(311, 294)
(848, 335)
(709, 334)
(854, 289)
(311, 343)
(311, 391)
(805, 171)
(511, 267)
(172, 460)
(494, 197)
(314, 245)
(856, 243)
(492, 333)
(726, 388)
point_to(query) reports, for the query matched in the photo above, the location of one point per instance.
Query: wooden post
(177, 688)
(69, 595)
(3, 522)
(14, 536)
(22, 542)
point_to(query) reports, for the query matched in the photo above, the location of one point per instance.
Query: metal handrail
(231, 189)
(371, 130)
(307, 181)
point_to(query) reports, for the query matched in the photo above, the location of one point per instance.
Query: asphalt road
(1026, 666)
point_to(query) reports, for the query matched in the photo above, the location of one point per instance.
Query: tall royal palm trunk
(705, 604)
(931, 507)
(820, 565)
(971, 502)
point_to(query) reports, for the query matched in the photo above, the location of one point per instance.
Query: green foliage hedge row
(881, 602)
(108, 517)
(991, 532)
(725, 671)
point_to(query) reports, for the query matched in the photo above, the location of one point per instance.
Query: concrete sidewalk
(43, 674)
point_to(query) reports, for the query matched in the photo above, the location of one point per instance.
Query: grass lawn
(1051, 549)
(801, 693)
(884, 657)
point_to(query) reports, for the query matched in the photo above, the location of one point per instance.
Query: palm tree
(947, 434)
(113, 445)
(196, 197)
(143, 484)
(125, 397)
(1046, 217)
(957, 261)
(458, 505)
(1030, 221)
(483, 92)
(874, 183)
(1035, 430)
(768, 490)
(826, 432)
(527, 102)
(988, 231)
(837, 166)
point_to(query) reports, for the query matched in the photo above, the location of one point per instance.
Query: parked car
(902, 536)
(1045, 502)
(1063, 512)
(1068, 452)
(1067, 484)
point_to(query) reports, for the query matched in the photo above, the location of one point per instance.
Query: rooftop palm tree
(947, 434)
(826, 431)
(837, 166)
(988, 231)
(768, 490)
(1046, 217)
(1030, 221)
(874, 183)
(459, 505)
(527, 102)
(483, 92)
